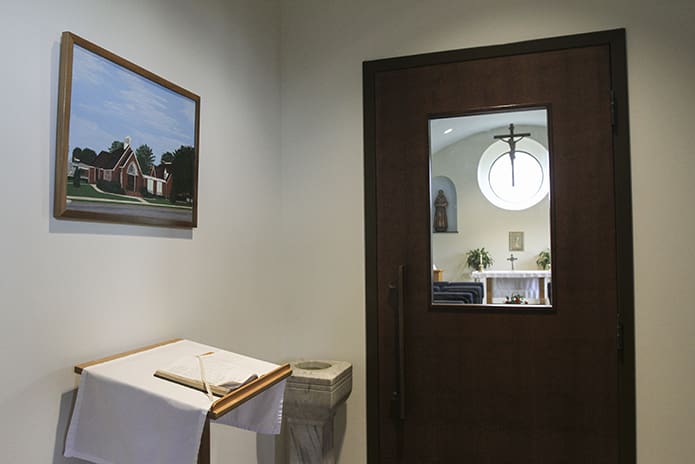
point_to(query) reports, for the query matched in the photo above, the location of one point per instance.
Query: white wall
(323, 46)
(253, 62)
(59, 280)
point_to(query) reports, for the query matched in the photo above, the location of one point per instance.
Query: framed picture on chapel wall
(127, 141)
(516, 241)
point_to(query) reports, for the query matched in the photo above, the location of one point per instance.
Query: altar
(530, 284)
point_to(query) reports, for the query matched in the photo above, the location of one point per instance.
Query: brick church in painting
(121, 167)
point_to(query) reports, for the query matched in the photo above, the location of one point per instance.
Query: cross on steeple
(512, 259)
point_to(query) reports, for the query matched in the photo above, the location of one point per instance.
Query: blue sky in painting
(110, 102)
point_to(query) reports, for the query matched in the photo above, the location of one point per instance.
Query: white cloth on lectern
(262, 414)
(125, 415)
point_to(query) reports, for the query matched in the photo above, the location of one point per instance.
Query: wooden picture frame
(127, 143)
(516, 241)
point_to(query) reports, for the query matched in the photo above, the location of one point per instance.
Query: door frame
(615, 39)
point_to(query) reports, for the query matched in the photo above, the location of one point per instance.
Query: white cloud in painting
(90, 134)
(87, 67)
(115, 102)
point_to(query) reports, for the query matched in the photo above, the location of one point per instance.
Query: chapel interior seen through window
(490, 209)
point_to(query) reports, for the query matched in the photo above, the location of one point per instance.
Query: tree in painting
(115, 145)
(182, 168)
(84, 155)
(88, 156)
(145, 157)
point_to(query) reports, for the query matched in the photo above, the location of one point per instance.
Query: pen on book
(206, 385)
(206, 354)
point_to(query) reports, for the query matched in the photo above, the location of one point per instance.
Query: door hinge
(620, 334)
(612, 108)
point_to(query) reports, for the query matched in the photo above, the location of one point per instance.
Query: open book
(222, 371)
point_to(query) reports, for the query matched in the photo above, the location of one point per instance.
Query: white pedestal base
(311, 442)
(313, 393)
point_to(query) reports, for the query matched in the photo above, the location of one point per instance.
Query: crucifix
(512, 139)
(512, 259)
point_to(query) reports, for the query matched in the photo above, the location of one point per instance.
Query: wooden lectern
(221, 406)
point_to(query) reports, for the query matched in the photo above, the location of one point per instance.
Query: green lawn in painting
(87, 191)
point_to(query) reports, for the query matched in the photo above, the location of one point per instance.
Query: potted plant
(478, 259)
(543, 260)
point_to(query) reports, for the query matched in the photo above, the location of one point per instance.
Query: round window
(514, 182)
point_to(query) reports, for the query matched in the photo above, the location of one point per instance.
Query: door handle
(398, 395)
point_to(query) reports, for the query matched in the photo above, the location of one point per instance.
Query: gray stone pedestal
(312, 395)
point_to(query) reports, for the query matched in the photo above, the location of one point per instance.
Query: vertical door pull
(398, 396)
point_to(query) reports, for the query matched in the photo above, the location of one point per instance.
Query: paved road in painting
(145, 212)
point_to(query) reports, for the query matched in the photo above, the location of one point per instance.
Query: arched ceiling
(465, 126)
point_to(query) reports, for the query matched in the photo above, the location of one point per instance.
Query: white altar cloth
(507, 283)
(125, 415)
(515, 274)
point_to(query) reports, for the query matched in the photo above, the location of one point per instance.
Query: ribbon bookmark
(202, 375)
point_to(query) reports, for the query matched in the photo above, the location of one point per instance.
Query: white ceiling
(465, 126)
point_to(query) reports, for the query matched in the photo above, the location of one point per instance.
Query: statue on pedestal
(441, 223)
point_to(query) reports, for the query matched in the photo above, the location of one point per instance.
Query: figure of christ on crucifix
(512, 140)
(511, 259)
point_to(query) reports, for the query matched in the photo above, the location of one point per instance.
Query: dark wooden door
(485, 385)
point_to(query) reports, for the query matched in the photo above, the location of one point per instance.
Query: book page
(222, 369)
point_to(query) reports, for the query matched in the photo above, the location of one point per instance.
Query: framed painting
(127, 141)
(516, 241)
